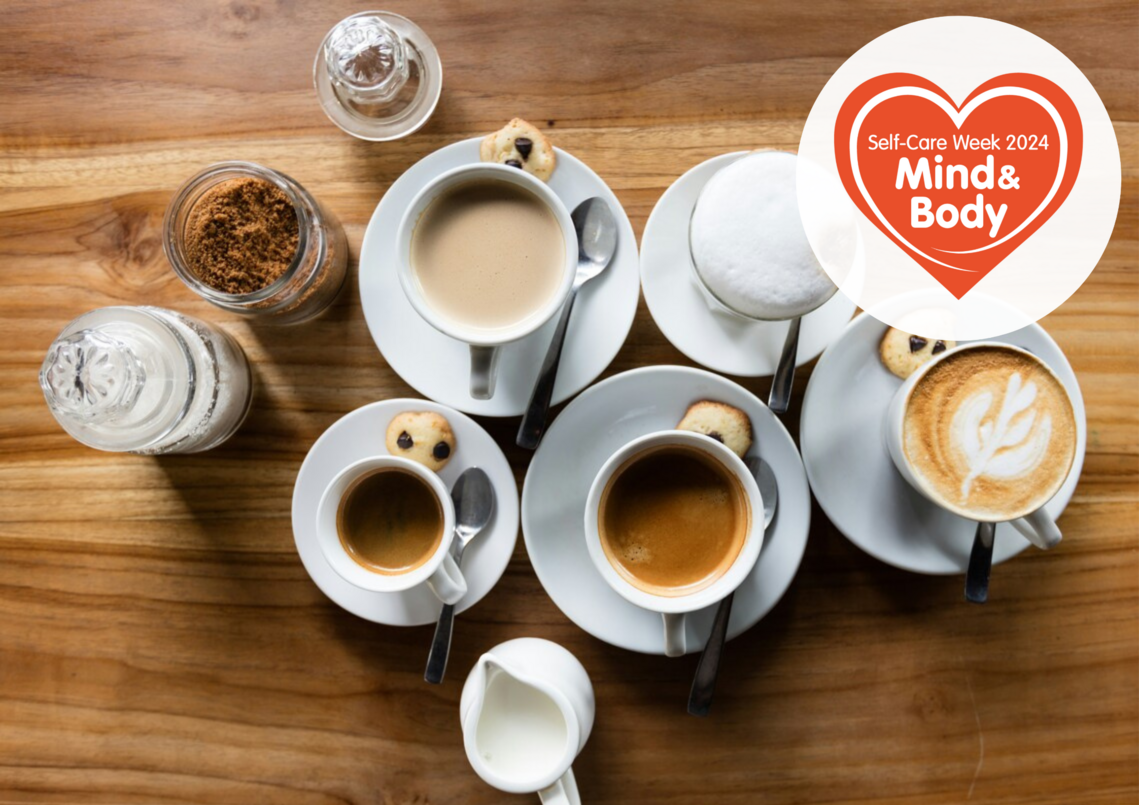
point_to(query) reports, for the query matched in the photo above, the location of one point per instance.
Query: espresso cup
(992, 449)
(674, 607)
(485, 342)
(439, 571)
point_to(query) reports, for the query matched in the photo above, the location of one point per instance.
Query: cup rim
(919, 483)
(406, 272)
(732, 578)
(329, 539)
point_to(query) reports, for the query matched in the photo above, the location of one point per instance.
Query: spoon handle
(980, 564)
(441, 643)
(780, 396)
(534, 421)
(708, 667)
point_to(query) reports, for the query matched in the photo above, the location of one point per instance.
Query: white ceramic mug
(527, 710)
(1037, 526)
(440, 572)
(674, 608)
(485, 343)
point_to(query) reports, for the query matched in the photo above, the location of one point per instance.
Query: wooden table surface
(160, 641)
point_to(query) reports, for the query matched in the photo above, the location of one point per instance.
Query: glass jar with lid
(146, 380)
(309, 282)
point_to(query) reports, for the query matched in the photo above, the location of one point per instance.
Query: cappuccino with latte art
(989, 432)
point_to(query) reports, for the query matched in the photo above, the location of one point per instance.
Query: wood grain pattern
(160, 641)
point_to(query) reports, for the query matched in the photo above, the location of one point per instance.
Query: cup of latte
(674, 523)
(987, 431)
(488, 255)
(386, 524)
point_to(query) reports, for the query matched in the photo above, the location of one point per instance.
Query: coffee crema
(990, 432)
(390, 521)
(672, 520)
(488, 254)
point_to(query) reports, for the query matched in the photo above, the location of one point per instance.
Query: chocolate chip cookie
(520, 145)
(903, 353)
(422, 436)
(725, 423)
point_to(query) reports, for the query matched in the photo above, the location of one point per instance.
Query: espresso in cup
(390, 521)
(672, 520)
(990, 432)
(487, 254)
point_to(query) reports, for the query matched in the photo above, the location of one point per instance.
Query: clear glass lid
(378, 76)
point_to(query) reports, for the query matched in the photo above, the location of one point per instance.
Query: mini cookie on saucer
(903, 354)
(725, 423)
(423, 436)
(520, 145)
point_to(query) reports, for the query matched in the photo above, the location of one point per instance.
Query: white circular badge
(980, 167)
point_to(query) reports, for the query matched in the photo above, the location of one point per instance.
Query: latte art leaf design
(1011, 444)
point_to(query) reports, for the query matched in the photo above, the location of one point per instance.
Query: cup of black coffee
(674, 523)
(386, 523)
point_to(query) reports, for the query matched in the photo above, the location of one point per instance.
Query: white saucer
(438, 366)
(722, 342)
(591, 429)
(858, 486)
(360, 434)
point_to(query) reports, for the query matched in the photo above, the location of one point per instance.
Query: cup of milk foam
(750, 252)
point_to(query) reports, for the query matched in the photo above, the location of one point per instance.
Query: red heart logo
(958, 187)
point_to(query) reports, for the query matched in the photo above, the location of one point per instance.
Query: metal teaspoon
(473, 496)
(596, 241)
(708, 667)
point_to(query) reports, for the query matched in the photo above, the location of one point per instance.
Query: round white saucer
(438, 366)
(857, 484)
(719, 341)
(360, 434)
(589, 431)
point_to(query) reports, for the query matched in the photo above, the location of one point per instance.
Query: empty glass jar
(146, 380)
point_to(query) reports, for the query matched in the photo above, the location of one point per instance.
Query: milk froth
(748, 242)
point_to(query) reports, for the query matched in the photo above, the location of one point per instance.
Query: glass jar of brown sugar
(251, 240)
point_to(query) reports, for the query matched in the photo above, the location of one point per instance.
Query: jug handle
(562, 792)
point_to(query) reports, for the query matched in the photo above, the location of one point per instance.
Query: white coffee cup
(440, 572)
(674, 608)
(1038, 527)
(485, 343)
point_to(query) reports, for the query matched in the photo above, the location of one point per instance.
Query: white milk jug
(527, 710)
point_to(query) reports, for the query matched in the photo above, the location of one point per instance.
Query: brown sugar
(241, 235)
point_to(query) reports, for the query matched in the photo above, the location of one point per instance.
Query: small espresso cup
(485, 343)
(673, 609)
(439, 572)
(1037, 526)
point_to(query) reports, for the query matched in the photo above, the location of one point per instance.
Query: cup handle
(674, 643)
(562, 792)
(484, 365)
(447, 581)
(1039, 529)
